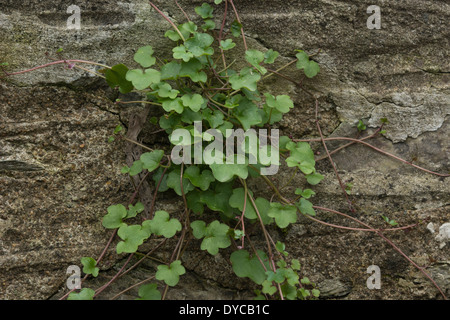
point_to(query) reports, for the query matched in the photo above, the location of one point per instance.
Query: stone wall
(58, 173)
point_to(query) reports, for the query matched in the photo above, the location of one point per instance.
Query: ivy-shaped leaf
(227, 44)
(191, 69)
(174, 182)
(90, 266)
(310, 68)
(283, 214)
(306, 207)
(170, 274)
(247, 113)
(143, 79)
(307, 193)
(226, 171)
(165, 90)
(247, 78)
(193, 101)
(201, 180)
(114, 217)
(314, 178)
(255, 57)
(237, 201)
(245, 266)
(218, 198)
(282, 103)
(151, 160)
(208, 25)
(116, 76)
(199, 44)
(162, 225)
(181, 53)
(270, 56)
(215, 235)
(205, 11)
(144, 56)
(133, 210)
(149, 292)
(236, 28)
(135, 168)
(133, 236)
(84, 294)
(301, 156)
(173, 105)
(214, 118)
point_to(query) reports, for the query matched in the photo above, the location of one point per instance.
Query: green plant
(199, 85)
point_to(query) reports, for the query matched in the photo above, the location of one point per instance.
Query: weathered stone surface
(58, 174)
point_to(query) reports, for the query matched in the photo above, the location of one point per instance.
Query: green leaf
(199, 44)
(245, 266)
(214, 119)
(193, 101)
(310, 68)
(283, 214)
(192, 69)
(116, 76)
(89, 266)
(181, 53)
(218, 1)
(144, 56)
(217, 199)
(282, 103)
(151, 160)
(149, 292)
(306, 207)
(226, 171)
(237, 201)
(165, 90)
(157, 176)
(295, 264)
(255, 57)
(143, 79)
(84, 294)
(236, 28)
(133, 236)
(301, 156)
(133, 210)
(208, 25)
(270, 56)
(227, 44)
(205, 11)
(162, 225)
(314, 178)
(263, 206)
(307, 193)
(174, 182)
(391, 222)
(136, 168)
(215, 235)
(170, 274)
(173, 105)
(280, 246)
(268, 288)
(114, 217)
(361, 126)
(247, 113)
(247, 78)
(201, 180)
(315, 293)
